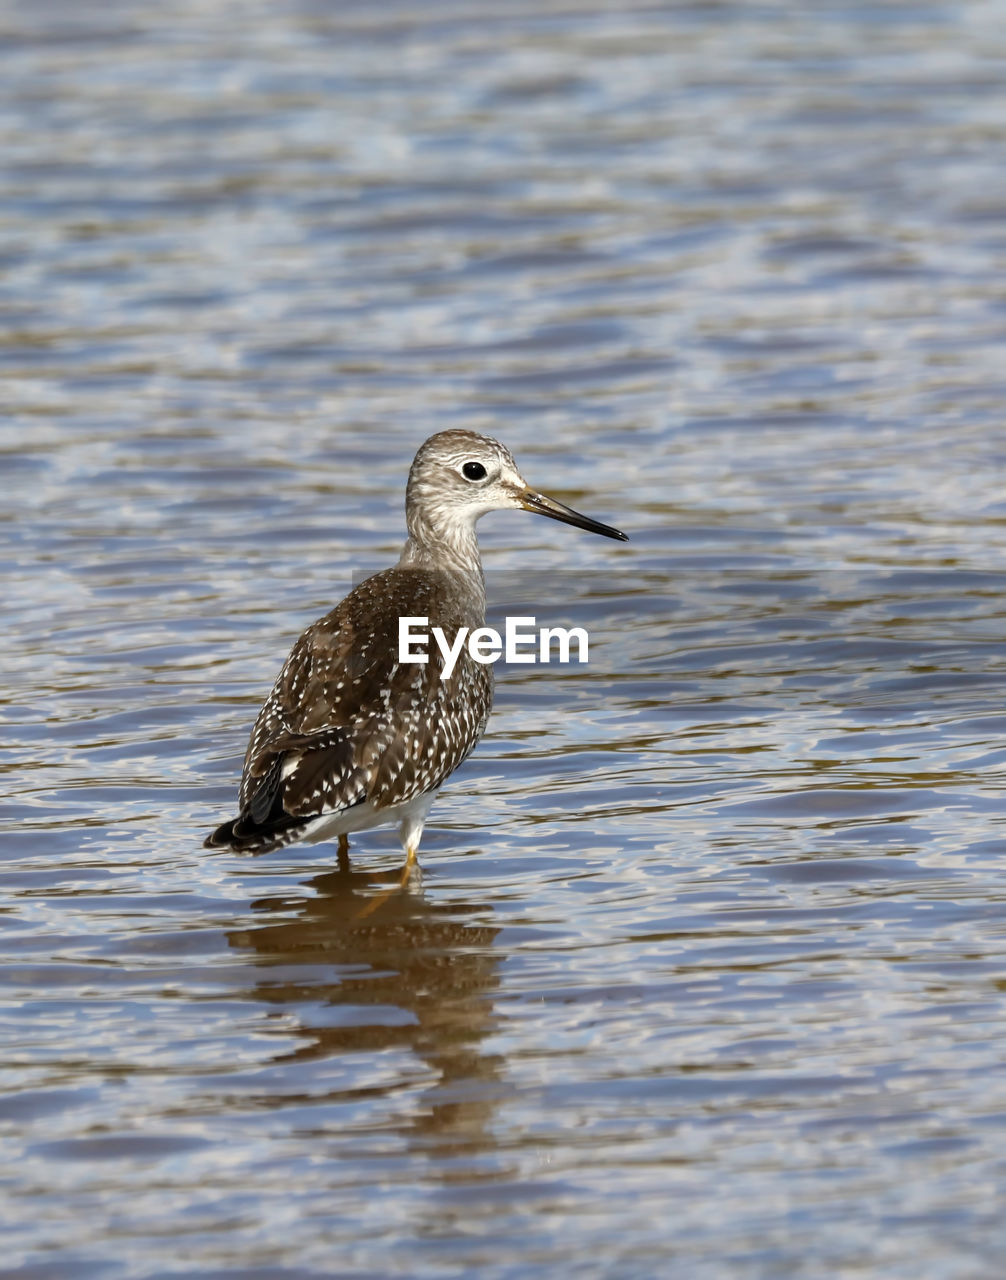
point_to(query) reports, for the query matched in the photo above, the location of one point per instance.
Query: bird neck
(449, 547)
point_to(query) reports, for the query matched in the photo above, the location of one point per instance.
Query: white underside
(409, 817)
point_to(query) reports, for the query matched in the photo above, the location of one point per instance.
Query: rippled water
(707, 974)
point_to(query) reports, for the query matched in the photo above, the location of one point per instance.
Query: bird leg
(344, 852)
(411, 865)
(411, 861)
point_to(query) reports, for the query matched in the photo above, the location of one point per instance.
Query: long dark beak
(542, 506)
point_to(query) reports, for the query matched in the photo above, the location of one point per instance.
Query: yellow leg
(411, 862)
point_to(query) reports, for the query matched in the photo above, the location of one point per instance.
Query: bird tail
(244, 835)
(263, 824)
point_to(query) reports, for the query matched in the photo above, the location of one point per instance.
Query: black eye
(473, 471)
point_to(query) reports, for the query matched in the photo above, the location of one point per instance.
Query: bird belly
(363, 817)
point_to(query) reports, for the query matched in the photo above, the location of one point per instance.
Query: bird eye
(473, 471)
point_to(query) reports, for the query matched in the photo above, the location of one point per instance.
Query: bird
(351, 737)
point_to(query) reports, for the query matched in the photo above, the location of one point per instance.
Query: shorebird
(350, 737)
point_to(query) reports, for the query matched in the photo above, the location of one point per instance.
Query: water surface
(707, 972)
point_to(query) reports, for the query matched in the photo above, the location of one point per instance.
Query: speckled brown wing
(347, 722)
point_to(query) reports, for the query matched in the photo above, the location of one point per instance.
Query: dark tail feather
(245, 835)
(263, 824)
(222, 837)
(267, 799)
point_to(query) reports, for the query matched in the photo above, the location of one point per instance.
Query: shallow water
(707, 971)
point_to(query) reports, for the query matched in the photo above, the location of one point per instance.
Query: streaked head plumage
(458, 476)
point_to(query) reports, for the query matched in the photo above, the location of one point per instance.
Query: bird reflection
(406, 954)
